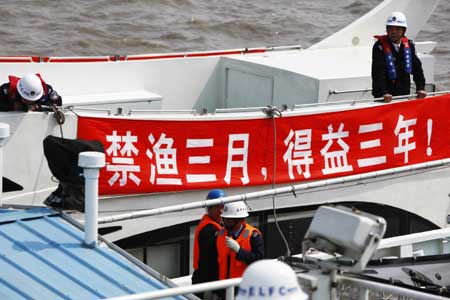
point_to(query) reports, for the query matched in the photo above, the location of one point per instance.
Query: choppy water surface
(105, 27)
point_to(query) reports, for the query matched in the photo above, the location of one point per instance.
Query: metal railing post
(229, 293)
(363, 293)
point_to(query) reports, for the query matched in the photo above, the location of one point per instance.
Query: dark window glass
(293, 229)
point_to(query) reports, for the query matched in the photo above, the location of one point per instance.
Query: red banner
(145, 156)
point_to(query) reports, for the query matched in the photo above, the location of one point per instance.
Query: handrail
(334, 92)
(270, 192)
(283, 48)
(229, 284)
(121, 58)
(353, 102)
(240, 109)
(160, 111)
(73, 108)
(387, 288)
(412, 238)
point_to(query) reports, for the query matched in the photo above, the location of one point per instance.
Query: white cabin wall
(345, 84)
(286, 87)
(428, 67)
(24, 160)
(209, 95)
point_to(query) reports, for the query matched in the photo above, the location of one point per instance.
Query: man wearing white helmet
(27, 93)
(270, 280)
(394, 60)
(238, 244)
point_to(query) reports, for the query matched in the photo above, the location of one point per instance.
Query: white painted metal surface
(361, 32)
(4, 134)
(200, 80)
(91, 162)
(433, 242)
(202, 287)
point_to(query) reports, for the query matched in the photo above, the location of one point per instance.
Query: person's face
(215, 212)
(25, 101)
(231, 223)
(395, 33)
(32, 105)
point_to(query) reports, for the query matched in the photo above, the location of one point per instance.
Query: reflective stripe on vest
(389, 57)
(226, 256)
(206, 219)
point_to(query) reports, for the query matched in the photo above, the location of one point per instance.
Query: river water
(106, 27)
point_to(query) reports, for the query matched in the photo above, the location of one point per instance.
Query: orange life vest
(206, 219)
(225, 255)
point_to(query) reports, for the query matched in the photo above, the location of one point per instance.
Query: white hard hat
(30, 87)
(235, 210)
(397, 19)
(270, 280)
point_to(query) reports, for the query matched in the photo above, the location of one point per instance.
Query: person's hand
(232, 244)
(387, 98)
(34, 107)
(421, 94)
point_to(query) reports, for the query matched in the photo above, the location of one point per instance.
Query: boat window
(138, 253)
(399, 222)
(253, 220)
(165, 259)
(294, 226)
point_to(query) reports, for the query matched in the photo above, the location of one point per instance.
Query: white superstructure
(335, 69)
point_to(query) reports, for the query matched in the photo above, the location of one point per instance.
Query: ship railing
(292, 189)
(316, 283)
(366, 100)
(239, 109)
(350, 288)
(433, 242)
(160, 111)
(262, 109)
(87, 109)
(228, 284)
(429, 87)
(122, 58)
(317, 287)
(284, 107)
(337, 92)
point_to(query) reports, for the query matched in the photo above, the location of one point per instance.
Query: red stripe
(77, 60)
(201, 54)
(225, 53)
(18, 59)
(155, 57)
(38, 59)
(117, 58)
(14, 61)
